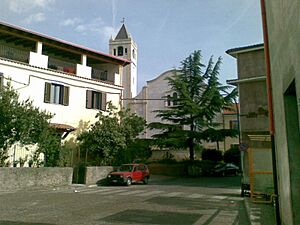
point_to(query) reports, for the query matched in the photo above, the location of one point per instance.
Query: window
(95, 100)
(1, 80)
(56, 94)
(125, 51)
(115, 51)
(133, 53)
(120, 51)
(233, 124)
(168, 103)
(175, 96)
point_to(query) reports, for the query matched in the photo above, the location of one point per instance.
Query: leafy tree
(199, 96)
(22, 123)
(111, 135)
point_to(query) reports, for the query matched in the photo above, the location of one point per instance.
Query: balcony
(61, 65)
(13, 53)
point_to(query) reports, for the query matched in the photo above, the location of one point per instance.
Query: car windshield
(126, 168)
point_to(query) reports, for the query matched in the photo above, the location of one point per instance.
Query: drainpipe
(270, 106)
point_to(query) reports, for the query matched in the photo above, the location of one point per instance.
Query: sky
(166, 31)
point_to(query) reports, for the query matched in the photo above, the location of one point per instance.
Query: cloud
(21, 6)
(38, 17)
(97, 25)
(70, 22)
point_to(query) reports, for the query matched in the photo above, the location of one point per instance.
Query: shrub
(212, 155)
(233, 155)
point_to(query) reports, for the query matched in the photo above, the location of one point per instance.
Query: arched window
(120, 51)
(175, 96)
(133, 53)
(168, 100)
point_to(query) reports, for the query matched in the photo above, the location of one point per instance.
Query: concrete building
(254, 120)
(281, 32)
(70, 81)
(125, 47)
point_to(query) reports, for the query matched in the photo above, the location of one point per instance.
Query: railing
(100, 75)
(14, 53)
(60, 65)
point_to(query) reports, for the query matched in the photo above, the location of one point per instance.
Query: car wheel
(128, 181)
(146, 179)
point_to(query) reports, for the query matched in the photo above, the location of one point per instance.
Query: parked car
(226, 169)
(129, 173)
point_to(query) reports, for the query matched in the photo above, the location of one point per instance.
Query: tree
(111, 135)
(199, 96)
(22, 123)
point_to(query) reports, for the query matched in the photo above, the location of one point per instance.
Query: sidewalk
(259, 213)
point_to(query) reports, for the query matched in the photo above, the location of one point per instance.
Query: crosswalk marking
(172, 194)
(218, 197)
(132, 192)
(224, 218)
(104, 191)
(150, 193)
(195, 195)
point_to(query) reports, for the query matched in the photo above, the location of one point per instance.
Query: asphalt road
(164, 201)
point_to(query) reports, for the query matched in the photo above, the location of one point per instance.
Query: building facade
(67, 80)
(282, 30)
(124, 46)
(254, 120)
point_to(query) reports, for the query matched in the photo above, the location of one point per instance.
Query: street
(165, 200)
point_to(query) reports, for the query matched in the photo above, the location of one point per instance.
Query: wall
(30, 82)
(25, 177)
(283, 21)
(97, 174)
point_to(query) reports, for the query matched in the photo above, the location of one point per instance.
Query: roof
(123, 34)
(60, 126)
(168, 73)
(231, 110)
(68, 46)
(234, 51)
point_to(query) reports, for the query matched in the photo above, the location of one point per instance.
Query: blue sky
(166, 31)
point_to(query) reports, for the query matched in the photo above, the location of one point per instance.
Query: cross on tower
(123, 20)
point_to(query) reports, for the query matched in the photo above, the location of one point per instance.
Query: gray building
(254, 121)
(283, 42)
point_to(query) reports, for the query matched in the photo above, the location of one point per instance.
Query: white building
(125, 47)
(70, 81)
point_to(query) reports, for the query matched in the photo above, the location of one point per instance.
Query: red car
(129, 173)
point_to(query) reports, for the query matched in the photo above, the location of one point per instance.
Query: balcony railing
(60, 65)
(14, 53)
(101, 75)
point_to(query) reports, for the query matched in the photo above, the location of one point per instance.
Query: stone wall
(97, 174)
(14, 178)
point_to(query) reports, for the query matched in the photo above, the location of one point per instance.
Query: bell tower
(124, 46)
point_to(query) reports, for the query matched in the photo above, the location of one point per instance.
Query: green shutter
(89, 102)
(47, 92)
(66, 95)
(1, 80)
(103, 101)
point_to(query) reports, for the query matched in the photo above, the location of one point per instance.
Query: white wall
(30, 82)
